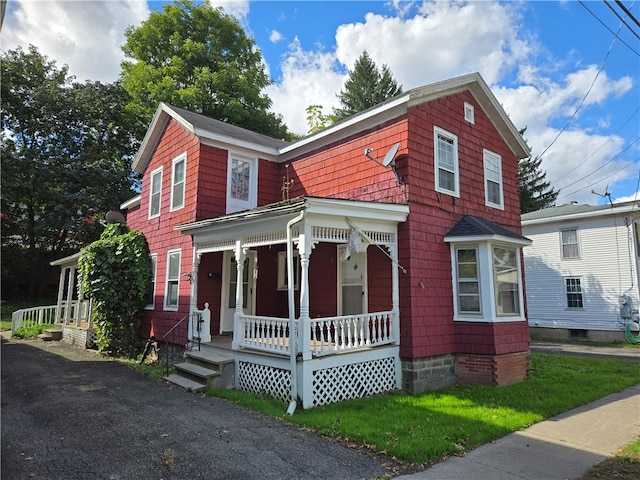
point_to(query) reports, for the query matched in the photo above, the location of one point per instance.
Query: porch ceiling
(267, 225)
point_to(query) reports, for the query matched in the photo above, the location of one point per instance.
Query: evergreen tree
(197, 57)
(366, 86)
(535, 190)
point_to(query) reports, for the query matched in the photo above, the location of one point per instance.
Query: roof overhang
(522, 242)
(595, 211)
(70, 261)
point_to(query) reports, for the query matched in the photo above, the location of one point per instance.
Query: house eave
(132, 202)
(597, 211)
(520, 241)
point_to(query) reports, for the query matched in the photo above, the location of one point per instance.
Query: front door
(229, 285)
(352, 282)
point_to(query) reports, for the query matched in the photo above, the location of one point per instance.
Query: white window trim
(157, 171)
(566, 293)
(486, 278)
(282, 271)
(485, 154)
(154, 269)
(179, 158)
(469, 113)
(457, 281)
(233, 204)
(456, 173)
(167, 279)
(562, 244)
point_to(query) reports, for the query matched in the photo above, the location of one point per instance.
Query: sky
(568, 71)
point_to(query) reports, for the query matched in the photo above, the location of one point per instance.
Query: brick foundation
(492, 369)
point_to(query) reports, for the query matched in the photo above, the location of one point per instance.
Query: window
(469, 113)
(241, 184)
(283, 273)
(155, 195)
(570, 245)
(493, 179)
(173, 280)
(468, 280)
(151, 291)
(178, 181)
(446, 162)
(573, 288)
(506, 281)
(487, 281)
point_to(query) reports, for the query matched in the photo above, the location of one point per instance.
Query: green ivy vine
(114, 272)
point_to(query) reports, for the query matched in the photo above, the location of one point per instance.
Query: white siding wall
(607, 267)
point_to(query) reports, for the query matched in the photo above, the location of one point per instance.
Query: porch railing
(328, 335)
(30, 317)
(351, 332)
(75, 312)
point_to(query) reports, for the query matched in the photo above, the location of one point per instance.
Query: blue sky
(554, 66)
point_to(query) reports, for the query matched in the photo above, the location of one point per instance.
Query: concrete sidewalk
(563, 447)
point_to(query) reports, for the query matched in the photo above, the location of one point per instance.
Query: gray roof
(470, 226)
(203, 122)
(575, 209)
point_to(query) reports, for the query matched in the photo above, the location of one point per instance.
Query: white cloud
(634, 197)
(275, 36)
(87, 36)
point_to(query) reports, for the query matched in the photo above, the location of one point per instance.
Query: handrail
(166, 342)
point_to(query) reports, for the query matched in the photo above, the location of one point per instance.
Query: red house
(400, 228)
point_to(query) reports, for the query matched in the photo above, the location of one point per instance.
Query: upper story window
(178, 174)
(469, 113)
(155, 194)
(573, 286)
(446, 162)
(570, 243)
(242, 183)
(171, 295)
(493, 179)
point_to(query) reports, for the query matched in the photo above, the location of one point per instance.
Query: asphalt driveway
(67, 413)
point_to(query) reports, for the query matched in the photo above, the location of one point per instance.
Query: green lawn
(422, 429)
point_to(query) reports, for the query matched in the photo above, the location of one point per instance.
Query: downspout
(292, 313)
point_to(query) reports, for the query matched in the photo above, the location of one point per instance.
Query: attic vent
(469, 113)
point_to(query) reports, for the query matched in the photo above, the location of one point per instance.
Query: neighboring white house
(581, 270)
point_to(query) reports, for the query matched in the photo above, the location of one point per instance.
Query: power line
(607, 27)
(601, 146)
(628, 12)
(621, 19)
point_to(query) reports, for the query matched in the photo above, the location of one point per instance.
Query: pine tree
(366, 86)
(535, 190)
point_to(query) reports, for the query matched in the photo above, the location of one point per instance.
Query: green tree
(366, 86)
(317, 120)
(197, 57)
(535, 190)
(114, 272)
(66, 151)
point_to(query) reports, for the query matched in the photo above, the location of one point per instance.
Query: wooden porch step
(55, 333)
(185, 383)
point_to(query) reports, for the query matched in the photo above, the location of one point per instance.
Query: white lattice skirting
(356, 380)
(263, 379)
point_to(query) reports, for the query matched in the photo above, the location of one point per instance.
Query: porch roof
(318, 212)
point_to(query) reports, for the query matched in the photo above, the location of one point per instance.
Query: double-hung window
(506, 281)
(155, 193)
(172, 290)
(151, 289)
(573, 287)
(178, 174)
(570, 243)
(493, 179)
(468, 278)
(446, 162)
(242, 183)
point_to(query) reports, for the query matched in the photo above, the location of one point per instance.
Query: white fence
(30, 317)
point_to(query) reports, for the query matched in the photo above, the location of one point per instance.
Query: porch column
(395, 306)
(304, 322)
(240, 256)
(67, 311)
(60, 295)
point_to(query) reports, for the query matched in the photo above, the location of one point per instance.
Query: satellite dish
(391, 155)
(113, 216)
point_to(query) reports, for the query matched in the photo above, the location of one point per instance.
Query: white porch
(316, 360)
